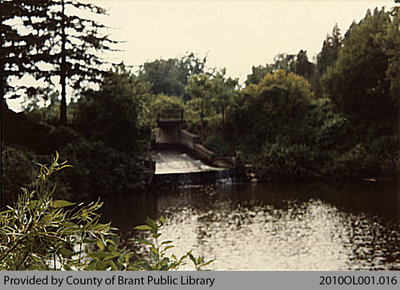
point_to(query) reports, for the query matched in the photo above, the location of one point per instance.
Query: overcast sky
(234, 34)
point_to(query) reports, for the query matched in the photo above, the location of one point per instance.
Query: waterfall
(174, 168)
(224, 176)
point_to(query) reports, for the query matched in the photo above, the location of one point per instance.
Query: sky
(233, 34)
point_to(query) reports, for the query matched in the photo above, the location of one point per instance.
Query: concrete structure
(170, 132)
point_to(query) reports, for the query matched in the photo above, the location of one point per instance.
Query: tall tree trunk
(63, 72)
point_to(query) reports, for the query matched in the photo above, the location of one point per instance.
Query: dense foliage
(361, 82)
(108, 141)
(170, 76)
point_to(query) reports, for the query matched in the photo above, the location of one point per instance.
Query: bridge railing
(170, 116)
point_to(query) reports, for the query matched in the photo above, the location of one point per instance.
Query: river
(306, 226)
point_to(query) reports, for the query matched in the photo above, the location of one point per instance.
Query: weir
(177, 168)
(181, 160)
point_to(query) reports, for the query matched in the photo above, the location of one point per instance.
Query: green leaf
(207, 263)
(168, 247)
(162, 220)
(89, 241)
(100, 245)
(113, 266)
(166, 242)
(143, 241)
(66, 253)
(154, 256)
(154, 250)
(102, 255)
(84, 214)
(33, 203)
(153, 225)
(150, 221)
(142, 228)
(192, 258)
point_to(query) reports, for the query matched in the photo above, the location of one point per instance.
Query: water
(176, 168)
(176, 162)
(274, 227)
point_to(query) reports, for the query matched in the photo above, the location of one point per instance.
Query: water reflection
(280, 227)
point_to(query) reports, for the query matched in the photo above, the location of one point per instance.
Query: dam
(180, 159)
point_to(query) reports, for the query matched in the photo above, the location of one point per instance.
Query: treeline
(293, 119)
(338, 118)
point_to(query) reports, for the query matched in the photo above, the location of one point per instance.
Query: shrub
(61, 136)
(17, 170)
(99, 170)
(282, 161)
(217, 144)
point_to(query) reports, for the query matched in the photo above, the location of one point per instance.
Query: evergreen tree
(304, 67)
(20, 51)
(330, 50)
(64, 45)
(360, 81)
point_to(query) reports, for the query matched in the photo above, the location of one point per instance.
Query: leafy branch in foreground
(156, 250)
(40, 233)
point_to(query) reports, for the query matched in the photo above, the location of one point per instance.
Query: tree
(164, 75)
(16, 57)
(277, 106)
(211, 94)
(170, 76)
(363, 84)
(117, 114)
(222, 90)
(65, 46)
(304, 68)
(330, 50)
(257, 74)
(285, 62)
(393, 38)
(75, 53)
(360, 81)
(198, 88)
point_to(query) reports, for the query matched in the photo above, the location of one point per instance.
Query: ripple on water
(293, 235)
(282, 227)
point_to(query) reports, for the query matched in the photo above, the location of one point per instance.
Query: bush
(60, 137)
(99, 170)
(286, 162)
(17, 171)
(214, 142)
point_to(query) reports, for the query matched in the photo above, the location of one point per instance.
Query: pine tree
(330, 50)
(20, 50)
(66, 45)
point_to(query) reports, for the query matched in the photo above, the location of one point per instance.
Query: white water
(168, 162)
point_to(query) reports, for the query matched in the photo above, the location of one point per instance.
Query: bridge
(172, 116)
